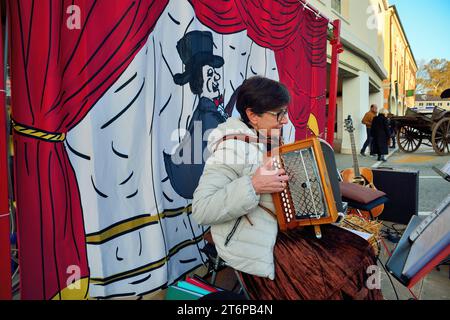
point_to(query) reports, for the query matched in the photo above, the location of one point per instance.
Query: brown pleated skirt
(334, 267)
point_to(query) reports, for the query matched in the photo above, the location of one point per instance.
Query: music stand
(424, 244)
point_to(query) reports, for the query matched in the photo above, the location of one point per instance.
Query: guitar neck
(355, 157)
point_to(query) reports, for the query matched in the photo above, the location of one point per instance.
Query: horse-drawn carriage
(414, 129)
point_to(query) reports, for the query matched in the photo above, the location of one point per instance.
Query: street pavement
(433, 189)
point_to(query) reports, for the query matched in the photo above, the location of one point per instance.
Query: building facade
(426, 103)
(400, 64)
(361, 65)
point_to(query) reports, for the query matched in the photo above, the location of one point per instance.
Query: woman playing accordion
(234, 198)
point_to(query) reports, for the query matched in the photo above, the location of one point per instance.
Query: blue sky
(427, 26)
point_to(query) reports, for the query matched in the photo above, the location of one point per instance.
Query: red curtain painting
(58, 74)
(60, 71)
(5, 249)
(296, 35)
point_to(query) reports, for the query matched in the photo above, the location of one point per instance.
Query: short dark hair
(261, 94)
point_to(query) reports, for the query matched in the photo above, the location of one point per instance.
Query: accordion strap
(242, 137)
(268, 211)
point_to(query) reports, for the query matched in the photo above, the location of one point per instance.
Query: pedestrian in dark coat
(380, 133)
(392, 130)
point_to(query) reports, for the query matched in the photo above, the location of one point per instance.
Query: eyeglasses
(280, 114)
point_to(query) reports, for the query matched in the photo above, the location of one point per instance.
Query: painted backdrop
(105, 96)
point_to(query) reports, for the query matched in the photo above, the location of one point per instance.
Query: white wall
(355, 102)
(376, 98)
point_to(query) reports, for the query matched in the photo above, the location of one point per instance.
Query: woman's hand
(268, 180)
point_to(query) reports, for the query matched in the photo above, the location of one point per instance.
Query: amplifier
(402, 189)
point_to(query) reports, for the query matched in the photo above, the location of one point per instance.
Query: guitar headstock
(348, 124)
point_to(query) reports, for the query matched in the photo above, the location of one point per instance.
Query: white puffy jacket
(225, 194)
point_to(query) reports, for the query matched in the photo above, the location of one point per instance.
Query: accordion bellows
(308, 198)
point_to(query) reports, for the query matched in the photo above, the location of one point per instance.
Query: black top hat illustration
(196, 50)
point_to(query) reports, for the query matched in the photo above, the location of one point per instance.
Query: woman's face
(270, 123)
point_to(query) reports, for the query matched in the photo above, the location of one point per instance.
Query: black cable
(388, 227)
(384, 233)
(393, 234)
(389, 277)
(400, 232)
(393, 228)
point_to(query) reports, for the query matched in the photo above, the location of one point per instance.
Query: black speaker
(402, 189)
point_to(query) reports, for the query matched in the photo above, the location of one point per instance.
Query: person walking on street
(380, 135)
(392, 130)
(367, 121)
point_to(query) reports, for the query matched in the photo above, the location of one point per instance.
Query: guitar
(362, 176)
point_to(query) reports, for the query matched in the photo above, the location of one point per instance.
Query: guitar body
(365, 179)
(361, 176)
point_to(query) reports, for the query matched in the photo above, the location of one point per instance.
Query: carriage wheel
(440, 137)
(409, 139)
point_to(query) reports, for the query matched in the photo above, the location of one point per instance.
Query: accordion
(308, 198)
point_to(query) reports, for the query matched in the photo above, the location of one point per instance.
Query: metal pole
(336, 49)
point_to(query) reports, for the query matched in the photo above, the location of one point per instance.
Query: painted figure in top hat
(185, 166)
